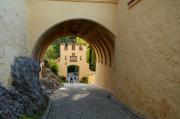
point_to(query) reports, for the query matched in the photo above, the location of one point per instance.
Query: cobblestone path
(80, 101)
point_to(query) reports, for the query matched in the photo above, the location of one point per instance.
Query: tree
(91, 58)
(81, 41)
(51, 53)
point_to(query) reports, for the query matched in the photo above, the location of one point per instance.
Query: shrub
(53, 66)
(63, 78)
(84, 79)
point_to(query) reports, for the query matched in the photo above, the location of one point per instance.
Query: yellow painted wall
(145, 73)
(104, 77)
(147, 62)
(43, 14)
(92, 78)
(64, 63)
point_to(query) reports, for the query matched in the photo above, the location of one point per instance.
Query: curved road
(80, 101)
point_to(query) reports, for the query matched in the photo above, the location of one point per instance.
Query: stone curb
(121, 105)
(47, 110)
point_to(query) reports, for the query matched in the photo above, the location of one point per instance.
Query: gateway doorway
(73, 72)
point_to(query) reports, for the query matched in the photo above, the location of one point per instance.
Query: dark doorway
(73, 72)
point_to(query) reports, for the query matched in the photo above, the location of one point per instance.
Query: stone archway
(100, 38)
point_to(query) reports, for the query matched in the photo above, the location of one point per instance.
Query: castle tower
(72, 62)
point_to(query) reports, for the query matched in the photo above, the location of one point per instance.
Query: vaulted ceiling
(100, 38)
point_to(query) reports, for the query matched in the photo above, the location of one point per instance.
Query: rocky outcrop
(10, 106)
(26, 95)
(50, 81)
(25, 72)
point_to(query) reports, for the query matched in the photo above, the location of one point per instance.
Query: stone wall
(147, 72)
(12, 35)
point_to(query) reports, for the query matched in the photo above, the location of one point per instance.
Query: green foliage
(53, 66)
(56, 47)
(51, 52)
(30, 117)
(66, 40)
(91, 59)
(81, 41)
(87, 54)
(84, 80)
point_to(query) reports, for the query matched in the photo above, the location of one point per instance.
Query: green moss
(31, 117)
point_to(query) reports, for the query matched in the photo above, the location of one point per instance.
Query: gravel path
(80, 101)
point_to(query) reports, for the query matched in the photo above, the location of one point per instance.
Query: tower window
(80, 48)
(73, 59)
(73, 47)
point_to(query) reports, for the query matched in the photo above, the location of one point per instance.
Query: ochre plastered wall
(104, 77)
(82, 64)
(147, 58)
(146, 76)
(43, 14)
(12, 35)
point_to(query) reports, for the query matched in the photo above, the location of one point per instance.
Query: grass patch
(39, 114)
(35, 116)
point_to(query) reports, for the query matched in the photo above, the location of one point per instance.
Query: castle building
(72, 61)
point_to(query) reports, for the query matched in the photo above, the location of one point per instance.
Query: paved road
(80, 101)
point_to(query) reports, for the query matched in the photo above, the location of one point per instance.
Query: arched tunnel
(99, 38)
